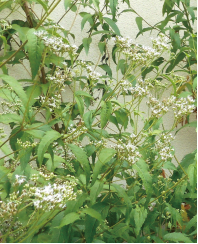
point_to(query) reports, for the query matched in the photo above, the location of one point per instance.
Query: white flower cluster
(91, 74)
(141, 54)
(53, 195)
(163, 146)
(183, 106)
(10, 107)
(157, 108)
(123, 43)
(127, 151)
(7, 215)
(56, 44)
(126, 86)
(51, 102)
(20, 179)
(58, 78)
(140, 90)
(26, 144)
(161, 43)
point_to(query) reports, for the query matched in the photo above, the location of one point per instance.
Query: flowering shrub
(81, 162)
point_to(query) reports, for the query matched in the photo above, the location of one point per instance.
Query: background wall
(150, 10)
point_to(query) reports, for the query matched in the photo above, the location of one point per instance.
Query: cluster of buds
(4, 25)
(2, 134)
(26, 144)
(10, 107)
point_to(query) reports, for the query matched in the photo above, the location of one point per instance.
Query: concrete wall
(150, 10)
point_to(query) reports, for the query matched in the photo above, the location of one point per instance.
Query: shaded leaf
(49, 137)
(69, 218)
(177, 237)
(35, 49)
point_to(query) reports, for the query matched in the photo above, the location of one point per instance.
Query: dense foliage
(80, 160)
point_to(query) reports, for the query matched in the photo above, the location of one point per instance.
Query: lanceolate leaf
(177, 237)
(139, 23)
(16, 87)
(113, 5)
(113, 25)
(80, 104)
(105, 155)
(86, 43)
(139, 215)
(9, 118)
(69, 218)
(35, 49)
(67, 3)
(49, 137)
(81, 156)
(83, 93)
(143, 171)
(106, 110)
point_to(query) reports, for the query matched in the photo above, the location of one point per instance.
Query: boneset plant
(90, 166)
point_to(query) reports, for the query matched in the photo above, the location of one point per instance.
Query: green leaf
(122, 193)
(139, 215)
(83, 93)
(86, 17)
(87, 117)
(191, 223)
(113, 25)
(93, 213)
(16, 86)
(113, 5)
(169, 165)
(91, 223)
(177, 237)
(96, 3)
(106, 68)
(49, 137)
(69, 218)
(194, 83)
(35, 49)
(81, 156)
(143, 171)
(22, 31)
(67, 4)
(80, 104)
(102, 46)
(106, 110)
(5, 44)
(6, 150)
(192, 170)
(9, 118)
(95, 190)
(105, 155)
(139, 23)
(86, 43)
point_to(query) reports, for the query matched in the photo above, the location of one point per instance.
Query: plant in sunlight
(81, 161)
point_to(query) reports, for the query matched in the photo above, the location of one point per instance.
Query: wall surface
(150, 10)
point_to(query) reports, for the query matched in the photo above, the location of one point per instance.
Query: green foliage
(80, 161)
